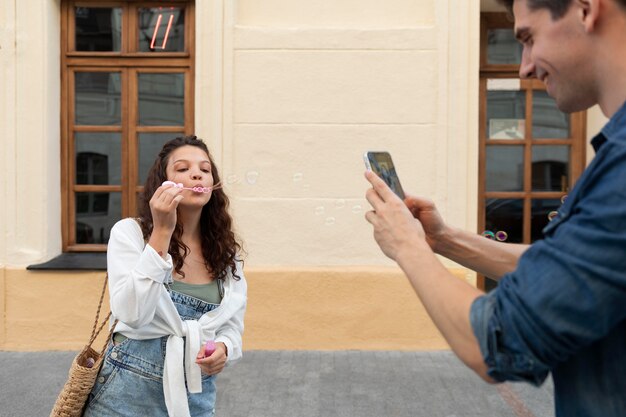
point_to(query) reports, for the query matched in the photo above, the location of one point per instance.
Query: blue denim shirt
(563, 310)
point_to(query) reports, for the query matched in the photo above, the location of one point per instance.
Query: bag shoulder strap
(97, 327)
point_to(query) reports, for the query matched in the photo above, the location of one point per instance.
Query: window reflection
(98, 29)
(548, 121)
(98, 98)
(98, 157)
(539, 216)
(96, 213)
(506, 215)
(506, 114)
(505, 168)
(550, 168)
(161, 99)
(149, 146)
(503, 48)
(162, 29)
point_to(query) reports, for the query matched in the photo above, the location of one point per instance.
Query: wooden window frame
(128, 62)
(576, 140)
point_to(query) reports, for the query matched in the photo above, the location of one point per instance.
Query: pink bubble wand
(194, 189)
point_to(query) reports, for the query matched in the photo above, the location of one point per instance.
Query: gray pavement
(309, 384)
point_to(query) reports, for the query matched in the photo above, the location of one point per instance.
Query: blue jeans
(130, 382)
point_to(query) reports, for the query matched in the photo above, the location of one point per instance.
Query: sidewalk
(309, 384)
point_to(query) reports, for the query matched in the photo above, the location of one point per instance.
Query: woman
(175, 282)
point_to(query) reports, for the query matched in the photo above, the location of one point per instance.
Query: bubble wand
(194, 189)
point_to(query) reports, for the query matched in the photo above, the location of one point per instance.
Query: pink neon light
(195, 189)
(156, 30)
(167, 32)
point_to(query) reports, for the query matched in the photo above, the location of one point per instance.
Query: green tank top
(209, 293)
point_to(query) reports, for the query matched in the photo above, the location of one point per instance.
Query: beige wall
(29, 132)
(308, 87)
(289, 94)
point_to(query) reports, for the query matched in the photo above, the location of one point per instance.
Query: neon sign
(156, 30)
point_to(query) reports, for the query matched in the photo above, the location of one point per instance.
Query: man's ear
(589, 13)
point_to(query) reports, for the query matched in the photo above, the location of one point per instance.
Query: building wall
(289, 95)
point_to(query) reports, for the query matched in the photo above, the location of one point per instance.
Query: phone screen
(382, 165)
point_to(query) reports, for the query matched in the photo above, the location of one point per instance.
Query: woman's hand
(212, 365)
(163, 206)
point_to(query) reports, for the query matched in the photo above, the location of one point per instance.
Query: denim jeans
(130, 382)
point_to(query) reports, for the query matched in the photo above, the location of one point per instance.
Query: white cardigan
(141, 303)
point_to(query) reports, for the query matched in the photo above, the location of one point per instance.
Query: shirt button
(101, 380)
(114, 355)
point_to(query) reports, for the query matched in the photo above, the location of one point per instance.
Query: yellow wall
(300, 309)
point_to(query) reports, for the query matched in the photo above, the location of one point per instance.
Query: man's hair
(557, 8)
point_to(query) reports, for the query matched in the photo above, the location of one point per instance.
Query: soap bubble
(501, 235)
(251, 177)
(319, 210)
(356, 209)
(489, 234)
(339, 204)
(552, 215)
(232, 179)
(297, 177)
(330, 221)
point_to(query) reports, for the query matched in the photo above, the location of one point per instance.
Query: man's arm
(488, 257)
(446, 298)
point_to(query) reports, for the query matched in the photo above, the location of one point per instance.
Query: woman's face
(190, 166)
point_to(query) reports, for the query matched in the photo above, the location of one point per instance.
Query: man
(560, 305)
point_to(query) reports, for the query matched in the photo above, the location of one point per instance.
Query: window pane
(161, 99)
(550, 170)
(505, 168)
(162, 29)
(539, 216)
(98, 29)
(98, 98)
(548, 121)
(96, 213)
(149, 146)
(506, 215)
(98, 158)
(503, 48)
(506, 112)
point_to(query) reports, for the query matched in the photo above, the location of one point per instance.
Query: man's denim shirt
(563, 310)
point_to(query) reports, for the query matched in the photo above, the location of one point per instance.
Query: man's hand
(396, 230)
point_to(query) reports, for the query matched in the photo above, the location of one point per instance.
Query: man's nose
(527, 68)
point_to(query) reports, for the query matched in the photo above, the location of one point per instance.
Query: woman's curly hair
(220, 248)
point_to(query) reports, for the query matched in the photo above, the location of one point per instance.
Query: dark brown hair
(220, 248)
(557, 8)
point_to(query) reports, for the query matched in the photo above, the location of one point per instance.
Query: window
(530, 152)
(127, 88)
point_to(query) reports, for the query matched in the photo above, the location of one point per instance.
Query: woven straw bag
(83, 372)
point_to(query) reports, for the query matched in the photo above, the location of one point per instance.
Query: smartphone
(382, 165)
